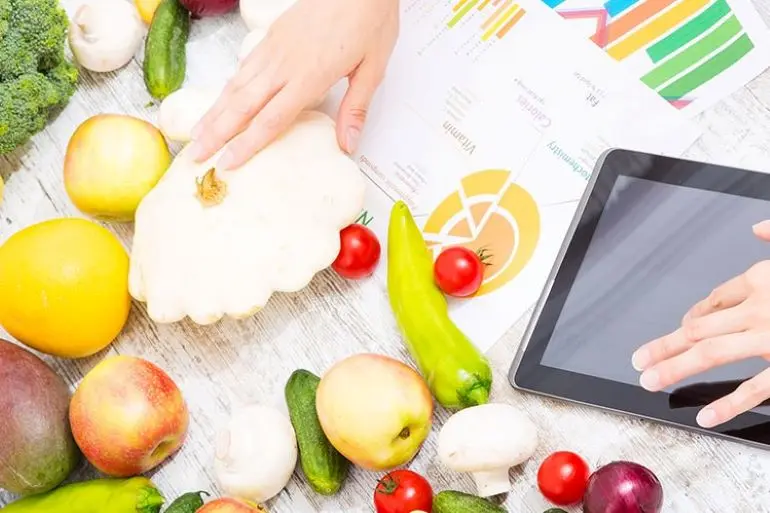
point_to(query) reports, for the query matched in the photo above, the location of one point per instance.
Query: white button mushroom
(256, 453)
(105, 34)
(486, 441)
(181, 110)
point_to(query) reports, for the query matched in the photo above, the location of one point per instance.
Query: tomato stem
(387, 485)
(484, 255)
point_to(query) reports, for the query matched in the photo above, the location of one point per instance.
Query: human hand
(731, 324)
(308, 49)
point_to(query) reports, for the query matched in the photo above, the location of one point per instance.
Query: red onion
(623, 487)
(201, 8)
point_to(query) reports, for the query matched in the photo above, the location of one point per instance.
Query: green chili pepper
(134, 495)
(457, 373)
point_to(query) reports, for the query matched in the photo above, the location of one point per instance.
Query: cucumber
(165, 50)
(325, 468)
(450, 501)
(187, 503)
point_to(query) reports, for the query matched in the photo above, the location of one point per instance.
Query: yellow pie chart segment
(493, 215)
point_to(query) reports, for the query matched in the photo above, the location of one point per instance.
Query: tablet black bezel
(528, 374)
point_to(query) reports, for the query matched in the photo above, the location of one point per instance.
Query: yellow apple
(376, 411)
(112, 162)
(147, 9)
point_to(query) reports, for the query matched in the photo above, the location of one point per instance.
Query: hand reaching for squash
(308, 49)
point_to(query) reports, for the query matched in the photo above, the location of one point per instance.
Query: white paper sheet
(491, 142)
(692, 52)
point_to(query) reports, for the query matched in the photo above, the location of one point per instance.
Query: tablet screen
(657, 250)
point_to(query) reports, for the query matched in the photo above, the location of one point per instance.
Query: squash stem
(210, 190)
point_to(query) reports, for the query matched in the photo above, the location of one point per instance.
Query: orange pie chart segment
(506, 229)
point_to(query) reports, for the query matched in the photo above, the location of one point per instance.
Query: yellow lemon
(64, 287)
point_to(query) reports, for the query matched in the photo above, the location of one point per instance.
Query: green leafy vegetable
(36, 79)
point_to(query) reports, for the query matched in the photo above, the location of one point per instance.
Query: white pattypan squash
(209, 244)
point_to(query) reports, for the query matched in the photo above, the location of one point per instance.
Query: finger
(245, 75)
(721, 322)
(705, 355)
(271, 121)
(661, 349)
(242, 108)
(748, 395)
(727, 295)
(363, 84)
(762, 230)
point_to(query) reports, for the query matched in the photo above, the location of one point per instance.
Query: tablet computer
(652, 236)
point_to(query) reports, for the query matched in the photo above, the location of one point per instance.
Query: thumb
(762, 230)
(362, 84)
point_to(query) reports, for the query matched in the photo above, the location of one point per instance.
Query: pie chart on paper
(491, 215)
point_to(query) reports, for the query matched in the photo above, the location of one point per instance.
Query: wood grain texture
(232, 362)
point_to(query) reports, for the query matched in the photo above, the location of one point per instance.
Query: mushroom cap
(486, 437)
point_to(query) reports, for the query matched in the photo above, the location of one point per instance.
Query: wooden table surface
(235, 362)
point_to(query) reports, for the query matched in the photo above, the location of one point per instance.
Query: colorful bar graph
(489, 21)
(693, 54)
(464, 8)
(508, 26)
(656, 28)
(615, 7)
(690, 31)
(708, 70)
(504, 17)
(497, 25)
(634, 18)
(554, 3)
(600, 15)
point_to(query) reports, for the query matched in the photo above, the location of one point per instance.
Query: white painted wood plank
(233, 362)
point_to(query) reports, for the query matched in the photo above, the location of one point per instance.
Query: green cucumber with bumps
(451, 501)
(165, 51)
(324, 467)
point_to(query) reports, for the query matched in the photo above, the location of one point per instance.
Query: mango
(37, 449)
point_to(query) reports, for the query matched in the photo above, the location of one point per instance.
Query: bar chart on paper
(474, 26)
(691, 52)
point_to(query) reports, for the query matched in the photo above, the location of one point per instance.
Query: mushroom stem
(492, 482)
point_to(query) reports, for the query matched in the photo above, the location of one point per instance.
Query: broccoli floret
(36, 79)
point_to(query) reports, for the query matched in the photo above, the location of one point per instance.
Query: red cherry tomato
(359, 252)
(403, 491)
(563, 477)
(459, 271)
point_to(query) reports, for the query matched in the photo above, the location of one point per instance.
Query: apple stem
(492, 482)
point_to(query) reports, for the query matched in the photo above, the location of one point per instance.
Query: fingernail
(226, 161)
(351, 138)
(650, 380)
(762, 224)
(706, 418)
(640, 360)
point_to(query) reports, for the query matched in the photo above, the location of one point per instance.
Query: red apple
(128, 416)
(228, 505)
